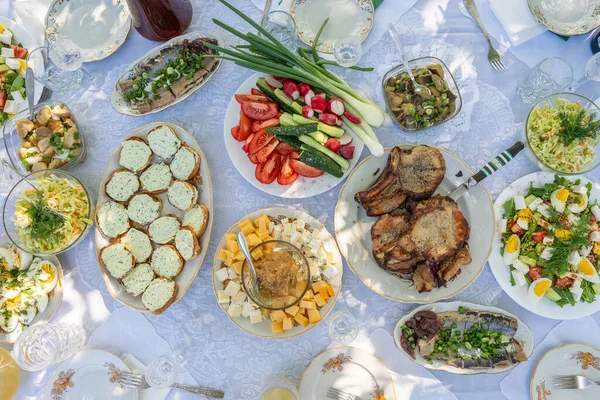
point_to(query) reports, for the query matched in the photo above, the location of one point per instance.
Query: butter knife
(30, 91)
(488, 169)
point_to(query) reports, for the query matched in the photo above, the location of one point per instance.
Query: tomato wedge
(260, 125)
(256, 92)
(260, 140)
(305, 170)
(284, 149)
(294, 155)
(268, 171)
(244, 98)
(245, 127)
(235, 132)
(260, 111)
(3, 97)
(19, 51)
(253, 158)
(247, 144)
(264, 153)
(287, 175)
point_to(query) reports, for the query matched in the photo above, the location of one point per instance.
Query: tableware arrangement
(98, 28)
(170, 204)
(463, 338)
(567, 18)
(493, 56)
(349, 370)
(558, 372)
(551, 75)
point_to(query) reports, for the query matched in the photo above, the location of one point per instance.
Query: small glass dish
(81, 224)
(423, 62)
(552, 101)
(13, 142)
(265, 299)
(279, 389)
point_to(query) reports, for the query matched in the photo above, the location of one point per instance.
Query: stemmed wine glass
(592, 72)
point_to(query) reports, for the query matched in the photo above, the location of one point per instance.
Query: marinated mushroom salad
(551, 242)
(416, 112)
(26, 283)
(52, 140)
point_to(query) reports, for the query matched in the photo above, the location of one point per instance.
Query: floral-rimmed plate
(353, 231)
(349, 369)
(89, 374)
(97, 27)
(567, 18)
(346, 17)
(568, 359)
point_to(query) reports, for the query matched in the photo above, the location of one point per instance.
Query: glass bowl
(263, 298)
(552, 101)
(12, 141)
(422, 63)
(276, 387)
(82, 224)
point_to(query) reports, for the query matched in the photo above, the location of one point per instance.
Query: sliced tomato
(260, 140)
(284, 149)
(562, 282)
(305, 170)
(268, 171)
(538, 237)
(266, 151)
(287, 175)
(260, 111)
(256, 92)
(3, 97)
(19, 51)
(247, 144)
(245, 127)
(260, 125)
(535, 273)
(235, 132)
(244, 98)
(253, 158)
(294, 155)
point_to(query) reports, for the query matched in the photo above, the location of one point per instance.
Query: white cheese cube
(222, 274)
(518, 277)
(330, 258)
(306, 249)
(502, 223)
(330, 272)
(543, 209)
(574, 258)
(576, 283)
(546, 253)
(6, 36)
(17, 96)
(251, 303)
(548, 240)
(13, 63)
(271, 226)
(585, 251)
(576, 293)
(239, 298)
(255, 317)
(595, 236)
(277, 228)
(306, 237)
(235, 310)
(519, 202)
(535, 204)
(579, 189)
(276, 235)
(288, 229)
(285, 221)
(246, 310)
(295, 236)
(300, 224)
(225, 306)
(520, 266)
(314, 271)
(316, 234)
(231, 273)
(11, 107)
(232, 289)
(596, 211)
(572, 218)
(7, 52)
(222, 297)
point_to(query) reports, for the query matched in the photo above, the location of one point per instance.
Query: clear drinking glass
(162, 372)
(592, 72)
(347, 50)
(282, 26)
(279, 389)
(41, 346)
(552, 75)
(343, 327)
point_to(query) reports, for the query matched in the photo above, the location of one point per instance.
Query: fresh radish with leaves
(304, 88)
(347, 152)
(336, 106)
(319, 104)
(333, 144)
(308, 97)
(291, 89)
(327, 118)
(308, 112)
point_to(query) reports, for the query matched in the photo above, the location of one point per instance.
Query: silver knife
(488, 169)
(29, 91)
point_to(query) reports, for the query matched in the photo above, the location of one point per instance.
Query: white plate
(119, 104)
(89, 374)
(346, 17)
(192, 267)
(523, 334)
(545, 307)
(350, 369)
(567, 18)
(28, 42)
(263, 329)
(353, 231)
(568, 359)
(97, 27)
(54, 299)
(302, 187)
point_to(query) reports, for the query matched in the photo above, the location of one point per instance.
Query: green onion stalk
(267, 55)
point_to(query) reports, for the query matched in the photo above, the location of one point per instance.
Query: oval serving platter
(263, 329)
(118, 102)
(192, 267)
(523, 334)
(353, 231)
(567, 18)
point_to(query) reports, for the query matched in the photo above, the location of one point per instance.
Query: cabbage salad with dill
(551, 242)
(564, 137)
(53, 221)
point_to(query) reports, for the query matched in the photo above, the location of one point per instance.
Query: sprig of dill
(558, 264)
(43, 221)
(577, 128)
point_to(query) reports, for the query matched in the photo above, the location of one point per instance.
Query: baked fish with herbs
(170, 74)
(466, 339)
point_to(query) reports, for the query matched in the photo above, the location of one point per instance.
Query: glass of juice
(9, 375)
(279, 389)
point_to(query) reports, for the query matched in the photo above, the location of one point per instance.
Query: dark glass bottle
(160, 20)
(596, 42)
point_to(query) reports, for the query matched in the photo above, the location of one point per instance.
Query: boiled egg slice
(10, 288)
(7, 258)
(589, 272)
(8, 320)
(580, 204)
(538, 288)
(511, 249)
(41, 301)
(45, 276)
(26, 310)
(22, 259)
(558, 199)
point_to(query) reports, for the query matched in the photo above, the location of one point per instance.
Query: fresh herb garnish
(576, 127)
(43, 221)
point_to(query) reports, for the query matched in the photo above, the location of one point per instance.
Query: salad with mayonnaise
(551, 241)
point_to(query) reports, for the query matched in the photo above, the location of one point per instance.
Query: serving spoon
(261, 295)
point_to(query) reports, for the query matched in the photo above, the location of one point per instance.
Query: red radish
(279, 78)
(308, 112)
(308, 97)
(339, 122)
(352, 118)
(291, 89)
(327, 118)
(347, 152)
(333, 144)
(319, 104)
(336, 106)
(346, 139)
(304, 88)
(274, 83)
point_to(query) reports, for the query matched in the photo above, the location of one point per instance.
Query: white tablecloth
(221, 354)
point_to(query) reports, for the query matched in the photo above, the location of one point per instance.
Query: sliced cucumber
(309, 141)
(321, 162)
(286, 120)
(332, 131)
(2, 60)
(297, 107)
(529, 199)
(319, 137)
(292, 130)
(596, 287)
(266, 89)
(301, 120)
(291, 140)
(528, 260)
(4, 68)
(552, 295)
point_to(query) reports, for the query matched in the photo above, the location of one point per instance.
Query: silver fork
(573, 382)
(493, 55)
(138, 381)
(338, 394)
